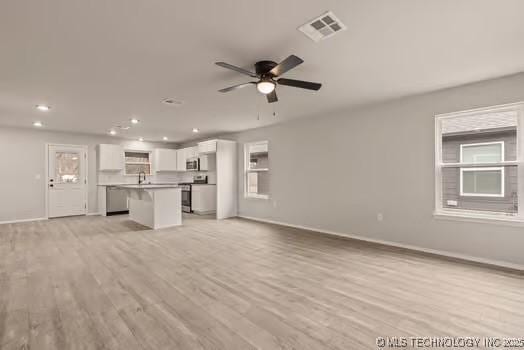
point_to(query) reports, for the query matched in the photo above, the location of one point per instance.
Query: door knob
(51, 185)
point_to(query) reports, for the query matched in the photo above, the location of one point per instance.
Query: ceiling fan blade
(272, 96)
(235, 87)
(299, 84)
(237, 69)
(287, 64)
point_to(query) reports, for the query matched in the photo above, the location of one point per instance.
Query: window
(477, 163)
(482, 182)
(256, 170)
(136, 162)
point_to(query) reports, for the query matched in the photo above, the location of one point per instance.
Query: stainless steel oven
(186, 197)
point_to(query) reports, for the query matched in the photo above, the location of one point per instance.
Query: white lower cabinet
(203, 199)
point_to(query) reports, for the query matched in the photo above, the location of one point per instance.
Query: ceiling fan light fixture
(265, 86)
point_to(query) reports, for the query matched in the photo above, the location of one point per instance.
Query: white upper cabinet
(191, 152)
(110, 157)
(165, 159)
(181, 159)
(207, 146)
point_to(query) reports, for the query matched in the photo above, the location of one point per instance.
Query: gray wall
(451, 176)
(338, 171)
(22, 159)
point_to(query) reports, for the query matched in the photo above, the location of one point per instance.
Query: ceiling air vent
(322, 27)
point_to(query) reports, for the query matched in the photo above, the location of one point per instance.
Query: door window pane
(67, 167)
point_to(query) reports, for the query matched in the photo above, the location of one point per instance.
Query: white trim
(256, 196)
(93, 214)
(517, 107)
(444, 253)
(502, 183)
(248, 170)
(501, 143)
(476, 165)
(257, 170)
(480, 218)
(21, 220)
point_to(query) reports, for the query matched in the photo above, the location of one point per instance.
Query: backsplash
(107, 178)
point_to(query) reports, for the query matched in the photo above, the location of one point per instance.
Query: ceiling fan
(267, 73)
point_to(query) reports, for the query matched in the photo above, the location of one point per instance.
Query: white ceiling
(98, 63)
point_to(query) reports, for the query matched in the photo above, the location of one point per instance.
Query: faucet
(140, 177)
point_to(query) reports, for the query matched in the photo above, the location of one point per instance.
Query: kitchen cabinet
(165, 159)
(191, 152)
(203, 199)
(209, 146)
(183, 155)
(110, 157)
(181, 159)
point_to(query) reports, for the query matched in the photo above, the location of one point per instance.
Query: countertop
(148, 186)
(135, 184)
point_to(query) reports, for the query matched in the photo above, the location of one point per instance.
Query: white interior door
(66, 181)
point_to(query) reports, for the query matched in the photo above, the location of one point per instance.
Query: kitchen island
(155, 206)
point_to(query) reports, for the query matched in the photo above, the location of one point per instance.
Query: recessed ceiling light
(195, 130)
(112, 132)
(165, 138)
(38, 124)
(140, 139)
(43, 108)
(135, 121)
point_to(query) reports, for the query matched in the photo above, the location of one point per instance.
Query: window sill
(256, 196)
(497, 219)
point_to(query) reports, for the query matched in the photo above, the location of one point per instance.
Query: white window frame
(502, 185)
(501, 169)
(466, 145)
(473, 215)
(138, 151)
(247, 170)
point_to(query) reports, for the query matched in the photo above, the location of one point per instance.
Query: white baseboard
(21, 220)
(475, 259)
(93, 214)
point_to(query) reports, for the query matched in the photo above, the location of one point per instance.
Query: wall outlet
(380, 217)
(37, 177)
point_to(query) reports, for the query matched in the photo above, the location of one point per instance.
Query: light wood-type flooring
(107, 283)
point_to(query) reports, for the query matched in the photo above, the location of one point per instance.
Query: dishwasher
(116, 201)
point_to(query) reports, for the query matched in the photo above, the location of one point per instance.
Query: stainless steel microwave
(193, 164)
